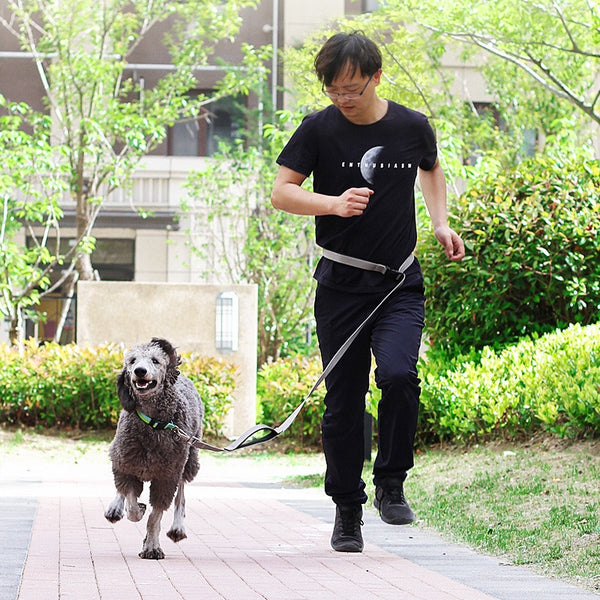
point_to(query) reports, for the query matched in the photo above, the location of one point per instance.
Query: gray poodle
(150, 385)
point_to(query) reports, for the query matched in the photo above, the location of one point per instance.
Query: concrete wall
(183, 313)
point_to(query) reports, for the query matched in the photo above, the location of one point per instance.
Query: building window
(530, 142)
(113, 258)
(486, 110)
(226, 322)
(184, 139)
(218, 121)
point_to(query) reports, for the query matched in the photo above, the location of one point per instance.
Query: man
(365, 153)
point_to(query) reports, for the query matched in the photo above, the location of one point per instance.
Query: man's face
(353, 93)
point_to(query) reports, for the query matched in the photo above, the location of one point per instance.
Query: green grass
(536, 505)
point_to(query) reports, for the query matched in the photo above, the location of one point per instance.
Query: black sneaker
(392, 505)
(347, 536)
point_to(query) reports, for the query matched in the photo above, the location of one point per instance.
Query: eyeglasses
(349, 95)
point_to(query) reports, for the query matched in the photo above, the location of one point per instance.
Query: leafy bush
(215, 381)
(283, 384)
(74, 386)
(533, 242)
(550, 383)
(54, 385)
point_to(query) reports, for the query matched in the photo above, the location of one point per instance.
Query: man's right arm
(289, 195)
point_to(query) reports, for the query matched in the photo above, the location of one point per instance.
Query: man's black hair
(353, 51)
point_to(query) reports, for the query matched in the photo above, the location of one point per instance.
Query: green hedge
(546, 384)
(75, 387)
(532, 266)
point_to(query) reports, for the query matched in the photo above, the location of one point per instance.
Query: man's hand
(352, 202)
(451, 242)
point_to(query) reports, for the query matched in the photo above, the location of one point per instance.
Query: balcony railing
(158, 184)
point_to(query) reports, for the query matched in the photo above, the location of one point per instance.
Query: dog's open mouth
(144, 385)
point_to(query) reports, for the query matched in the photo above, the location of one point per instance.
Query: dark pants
(394, 337)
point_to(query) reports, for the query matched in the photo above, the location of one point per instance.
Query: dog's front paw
(114, 514)
(136, 511)
(115, 511)
(176, 534)
(152, 553)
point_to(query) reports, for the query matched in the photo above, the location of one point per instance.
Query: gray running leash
(247, 438)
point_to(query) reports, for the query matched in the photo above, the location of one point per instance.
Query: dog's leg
(114, 512)
(177, 531)
(151, 547)
(129, 489)
(116, 509)
(135, 509)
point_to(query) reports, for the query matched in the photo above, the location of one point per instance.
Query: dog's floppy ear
(127, 400)
(174, 360)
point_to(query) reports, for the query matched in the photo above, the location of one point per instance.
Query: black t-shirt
(383, 156)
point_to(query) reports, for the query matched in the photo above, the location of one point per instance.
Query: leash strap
(248, 438)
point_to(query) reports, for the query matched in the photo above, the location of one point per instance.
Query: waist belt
(367, 265)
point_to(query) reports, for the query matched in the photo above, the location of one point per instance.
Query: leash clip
(394, 274)
(186, 437)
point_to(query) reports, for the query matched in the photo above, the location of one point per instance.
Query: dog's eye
(155, 361)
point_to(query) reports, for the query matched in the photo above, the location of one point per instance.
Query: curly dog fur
(151, 383)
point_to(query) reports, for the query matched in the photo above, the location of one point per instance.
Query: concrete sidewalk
(248, 539)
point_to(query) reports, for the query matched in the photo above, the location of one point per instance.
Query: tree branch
(550, 82)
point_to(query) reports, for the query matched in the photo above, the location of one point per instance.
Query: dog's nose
(140, 372)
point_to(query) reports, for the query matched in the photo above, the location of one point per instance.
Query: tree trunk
(16, 334)
(71, 283)
(83, 218)
(84, 267)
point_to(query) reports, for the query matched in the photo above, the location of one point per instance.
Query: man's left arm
(433, 186)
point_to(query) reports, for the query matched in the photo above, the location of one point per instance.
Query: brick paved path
(245, 542)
